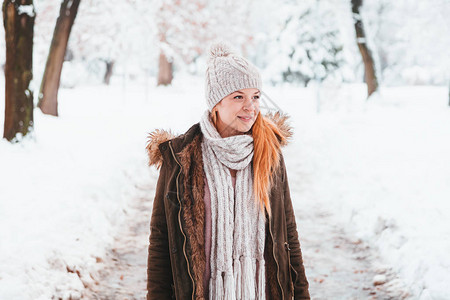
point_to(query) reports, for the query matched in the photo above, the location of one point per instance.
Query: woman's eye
(240, 97)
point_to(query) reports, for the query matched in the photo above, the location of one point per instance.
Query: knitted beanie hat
(228, 72)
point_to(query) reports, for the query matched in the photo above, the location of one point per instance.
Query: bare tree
(165, 67)
(369, 67)
(109, 71)
(18, 20)
(165, 73)
(184, 28)
(48, 94)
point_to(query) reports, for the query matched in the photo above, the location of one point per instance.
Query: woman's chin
(244, 129)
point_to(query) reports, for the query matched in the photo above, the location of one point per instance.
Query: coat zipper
(179, 222)
(275, 258)
(286, 245)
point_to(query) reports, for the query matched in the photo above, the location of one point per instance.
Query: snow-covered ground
(382, 166)
(63, 192)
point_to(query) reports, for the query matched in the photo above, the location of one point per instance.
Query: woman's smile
(246, 119)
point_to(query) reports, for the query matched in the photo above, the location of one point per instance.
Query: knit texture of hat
(228, 72)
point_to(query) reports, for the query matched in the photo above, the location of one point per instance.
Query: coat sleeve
(159, 271)
(301, 283)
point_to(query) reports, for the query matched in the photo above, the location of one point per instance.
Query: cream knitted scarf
(238, 223)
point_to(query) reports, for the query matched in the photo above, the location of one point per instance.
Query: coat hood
(159, 136)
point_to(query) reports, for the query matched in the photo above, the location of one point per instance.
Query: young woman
(223, 225)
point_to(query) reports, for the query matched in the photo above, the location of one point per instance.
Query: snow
(63, 191)
(26, 9)
(408, 39)
(379, 279)
(382, 165)
(385, 169)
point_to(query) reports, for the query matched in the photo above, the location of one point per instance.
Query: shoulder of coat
(159, 136)
(280, 120)
(156, 138)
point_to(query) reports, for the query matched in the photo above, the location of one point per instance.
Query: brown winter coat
(176, 259)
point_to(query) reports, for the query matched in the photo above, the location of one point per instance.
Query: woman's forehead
(255, 91)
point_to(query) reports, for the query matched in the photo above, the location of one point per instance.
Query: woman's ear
(214, 115)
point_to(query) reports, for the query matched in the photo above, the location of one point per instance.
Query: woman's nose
(249, 105)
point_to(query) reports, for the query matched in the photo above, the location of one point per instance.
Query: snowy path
(125, 274)
(337, 266)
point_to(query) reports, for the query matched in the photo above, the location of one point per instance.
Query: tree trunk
(109, 71)
(369, 67)
(165, 74)
(18, 20)
(48, 94)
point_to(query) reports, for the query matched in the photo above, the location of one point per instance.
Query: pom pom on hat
(219, 49)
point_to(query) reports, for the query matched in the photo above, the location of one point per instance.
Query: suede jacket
(176, 254)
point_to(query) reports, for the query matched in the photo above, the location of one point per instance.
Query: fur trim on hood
(158, 136)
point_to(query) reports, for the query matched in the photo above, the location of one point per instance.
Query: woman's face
(237, 112)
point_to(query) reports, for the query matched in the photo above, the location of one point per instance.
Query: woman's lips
(245, 119)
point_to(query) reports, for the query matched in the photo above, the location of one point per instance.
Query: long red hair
(267, 140)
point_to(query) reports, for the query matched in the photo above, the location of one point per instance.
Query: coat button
(163, 147)
(174, 249)
(286, 245)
